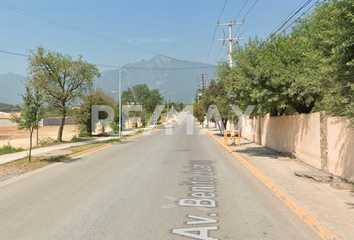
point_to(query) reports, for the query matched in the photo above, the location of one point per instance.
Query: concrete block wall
(56, 121)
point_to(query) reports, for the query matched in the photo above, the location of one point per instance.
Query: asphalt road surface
(156, 186)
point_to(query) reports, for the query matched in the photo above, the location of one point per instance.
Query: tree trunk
(224, 122)
(61, 128)
(303, 108)
(30, 149)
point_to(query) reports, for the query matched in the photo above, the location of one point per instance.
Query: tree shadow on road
(259, 152)
(72, 160)
(351, 205)
(54, 159)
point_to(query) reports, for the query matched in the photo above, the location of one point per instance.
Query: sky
(137, 29)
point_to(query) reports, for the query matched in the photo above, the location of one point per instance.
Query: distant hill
(11, 86)
(176, 79)
(8, 107)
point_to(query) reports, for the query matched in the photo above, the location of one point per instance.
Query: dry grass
(22, 165)
(20, 138)
(39, 162)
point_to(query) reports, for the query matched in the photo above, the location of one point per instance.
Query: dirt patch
(5, 175)
(20, 138)
(54, 153)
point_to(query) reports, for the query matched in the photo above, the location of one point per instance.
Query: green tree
(60, 78)
(31, 114)
(331, 29)
(179, 106)
(140, 94)
(82, 113)
(216, 94)
(198, 112)
(277, 76)
(153, 100)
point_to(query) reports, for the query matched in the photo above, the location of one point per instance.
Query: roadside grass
(7, 148)
(39, 162)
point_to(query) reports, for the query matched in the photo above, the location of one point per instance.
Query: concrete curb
(70, 157)
(75, 155)
(316, 225)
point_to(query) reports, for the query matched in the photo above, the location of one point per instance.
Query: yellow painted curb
(316, 225)
(75, 155)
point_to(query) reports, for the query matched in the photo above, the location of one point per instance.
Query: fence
(56, 121)
(317, 139)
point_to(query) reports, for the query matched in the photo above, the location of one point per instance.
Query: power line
(13, 53)
(222, 11)
(289, 18)
(77, 29)
(71, 27)
(212, 40)
(230, 38)
(114, 66)
(291, 13)
(238, 14)
(219, 53)
(244, 18)
(250, 9)
(272, 35)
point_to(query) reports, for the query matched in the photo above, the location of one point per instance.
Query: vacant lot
(21, 138)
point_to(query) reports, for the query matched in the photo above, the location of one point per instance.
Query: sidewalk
(15, 156)
(334, 208)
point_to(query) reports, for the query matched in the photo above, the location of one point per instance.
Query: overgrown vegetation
(7, 148)
(311, 68)
(140, 94)
(4, 107)
(39, 162)
(31, 114)
(82, 114)
(60, 78)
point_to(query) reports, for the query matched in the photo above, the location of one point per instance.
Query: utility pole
(201, 85)
(203, 81)
(231, 39)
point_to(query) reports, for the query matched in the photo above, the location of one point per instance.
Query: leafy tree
(277, 76)
(312, 67)
(31, 114)
(216, 94)
(140, 94)
(179, 106)
(153, 100)
(60, 78)
(128, 96)
(82, 113)
(331, 28)
(198, 112)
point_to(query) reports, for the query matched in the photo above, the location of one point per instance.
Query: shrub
(7, 148)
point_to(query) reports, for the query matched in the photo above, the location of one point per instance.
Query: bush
(82, 114)
(83, 131)
(7, 148)
(115, 127)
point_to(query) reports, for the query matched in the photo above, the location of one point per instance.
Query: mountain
(4, 107)
(176, 79)
(12, 85)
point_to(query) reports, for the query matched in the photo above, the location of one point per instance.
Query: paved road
(18, 155)
(138, 190)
